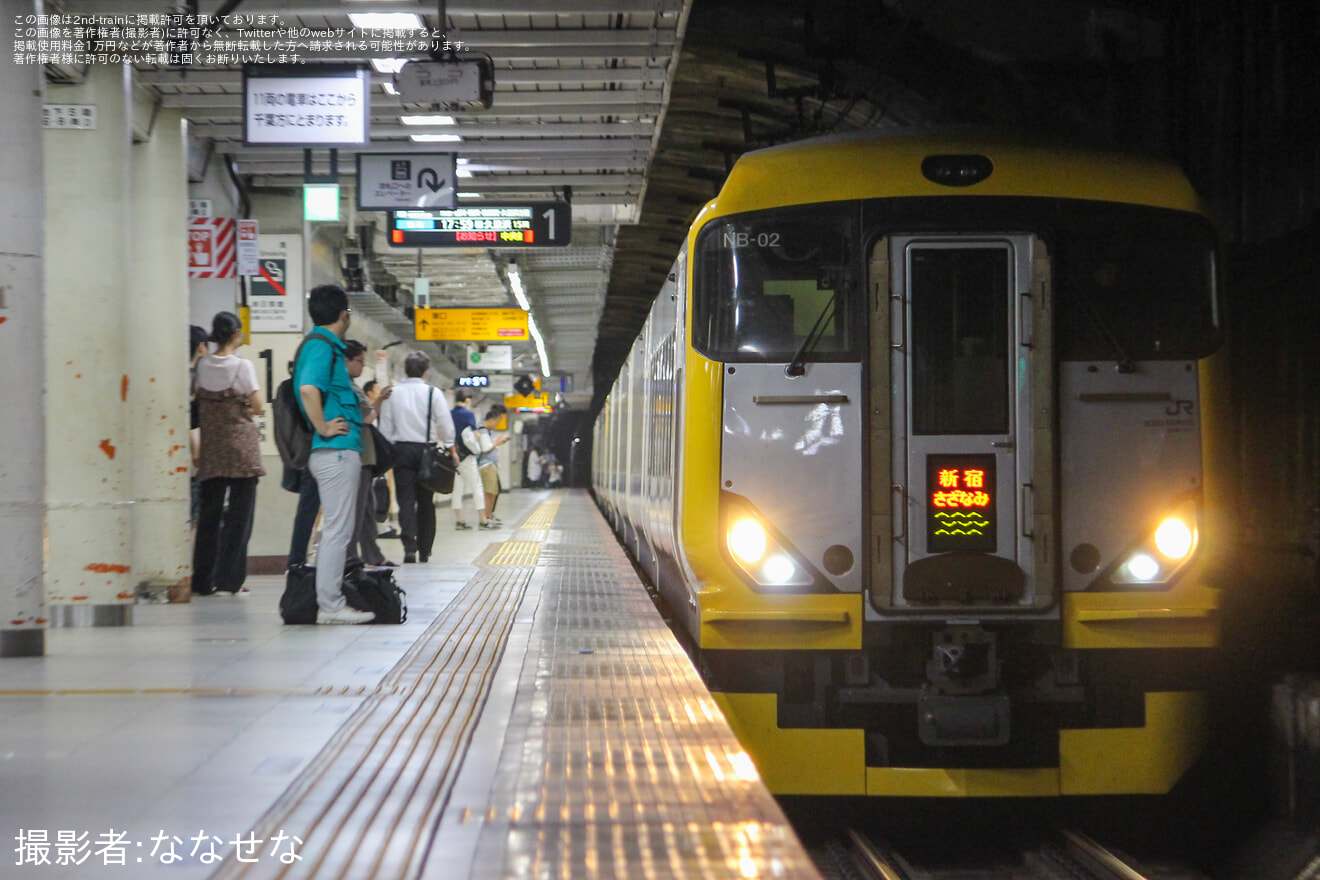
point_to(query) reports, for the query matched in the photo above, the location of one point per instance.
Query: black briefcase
(437, 470)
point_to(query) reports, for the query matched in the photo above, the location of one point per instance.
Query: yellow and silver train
(915, 443)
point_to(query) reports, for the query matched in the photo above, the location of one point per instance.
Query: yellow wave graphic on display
(961, 523)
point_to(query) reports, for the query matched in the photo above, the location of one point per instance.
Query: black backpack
(298, 603)
(293, 433)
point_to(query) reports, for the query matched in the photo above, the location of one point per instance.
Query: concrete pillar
(89, 475)
(22, 357)
(155, 332)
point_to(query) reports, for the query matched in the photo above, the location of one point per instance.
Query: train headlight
(1174, 538)
(766, 558)
(1156, 559)
(1141, 568)
(747, 540)
(778, 569)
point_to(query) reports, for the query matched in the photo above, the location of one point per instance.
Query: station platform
(533, 718)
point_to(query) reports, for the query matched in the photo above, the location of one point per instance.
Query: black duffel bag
(374, 590)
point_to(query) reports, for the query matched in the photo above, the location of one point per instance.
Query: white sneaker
(344, 615)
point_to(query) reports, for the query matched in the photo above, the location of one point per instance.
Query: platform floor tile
(535, 718)
(616, 761)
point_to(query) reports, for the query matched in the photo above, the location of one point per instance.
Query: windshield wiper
(797, 366)
(1097, 320)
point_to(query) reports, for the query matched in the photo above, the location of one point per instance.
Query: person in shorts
(489, 458)
(468, 479)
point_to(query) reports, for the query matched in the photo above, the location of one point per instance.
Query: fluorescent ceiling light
(464, 195)
(436, 138)
(389, 88)
(540, 345)
(461, 161)
(388, 65)
(463, 172)
(516, 285)
(432, 119)
(394, 21)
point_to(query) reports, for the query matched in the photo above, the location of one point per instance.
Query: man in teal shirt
(327, 398)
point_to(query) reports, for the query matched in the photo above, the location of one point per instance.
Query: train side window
(764, 280)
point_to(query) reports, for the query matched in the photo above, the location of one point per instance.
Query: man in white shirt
(403, 421)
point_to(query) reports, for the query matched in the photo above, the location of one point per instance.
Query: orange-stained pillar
(89, 579)
(22, 359)
(116, 353)
(157, 353)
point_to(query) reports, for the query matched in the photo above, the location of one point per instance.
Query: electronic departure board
(534, 224)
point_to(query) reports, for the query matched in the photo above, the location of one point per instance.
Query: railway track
(1069, 855)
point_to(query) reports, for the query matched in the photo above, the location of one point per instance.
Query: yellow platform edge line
(542, 516)
(517, 553)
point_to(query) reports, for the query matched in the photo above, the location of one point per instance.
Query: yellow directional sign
(538, 403)
(470, 325)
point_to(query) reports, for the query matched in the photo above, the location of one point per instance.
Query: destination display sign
(960, 503)
(535, 224)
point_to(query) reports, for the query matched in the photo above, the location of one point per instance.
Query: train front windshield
(1132, 283)
(1135, 284)
(773, 284)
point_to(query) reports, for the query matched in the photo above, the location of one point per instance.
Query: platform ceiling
(580, 90)
(638, 108)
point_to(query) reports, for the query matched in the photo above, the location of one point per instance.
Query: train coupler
(963, 661)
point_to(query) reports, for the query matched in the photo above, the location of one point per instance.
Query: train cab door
(956, 480)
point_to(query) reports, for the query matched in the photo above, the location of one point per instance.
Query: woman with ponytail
(229, 463)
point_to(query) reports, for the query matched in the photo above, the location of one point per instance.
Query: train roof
(888, 164)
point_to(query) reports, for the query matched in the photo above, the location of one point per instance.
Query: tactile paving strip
(516, 553)
(617, 762)
(542, 516)
(368, 804)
